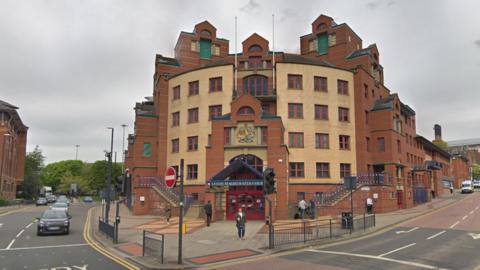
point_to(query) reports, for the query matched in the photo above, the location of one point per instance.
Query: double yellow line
(102, 250)
(14, 211)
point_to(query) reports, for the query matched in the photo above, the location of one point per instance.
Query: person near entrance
(208, 212)
(313, 209)
(302, 205)
(241, 220)
(369, 205)
(168, 213)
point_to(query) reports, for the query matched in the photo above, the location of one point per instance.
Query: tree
(476, 171)
(98, 172)
(33, 171)
(440, 143)
(55, 172)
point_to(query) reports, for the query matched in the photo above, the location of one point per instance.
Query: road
(21, 248)
(445, 239)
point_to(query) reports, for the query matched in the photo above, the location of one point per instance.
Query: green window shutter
(147, 150)
(322, 43)
(205, 49)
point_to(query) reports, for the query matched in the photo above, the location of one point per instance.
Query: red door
(400, 199)
(249, 199)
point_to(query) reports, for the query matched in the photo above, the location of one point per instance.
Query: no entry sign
(170, 177)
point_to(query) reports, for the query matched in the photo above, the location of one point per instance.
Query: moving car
(59, 206)
(41, 201)
(87, 199)
(476, 183)
(467, 186)
(51, 198)
(63, 199)
(53, 221)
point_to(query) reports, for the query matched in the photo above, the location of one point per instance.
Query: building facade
(314, 117)
(13, 139)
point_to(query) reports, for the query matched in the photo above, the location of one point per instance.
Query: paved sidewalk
(204, 246)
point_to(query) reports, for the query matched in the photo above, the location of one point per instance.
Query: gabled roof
(167, 61)
(12, 111)
(432, 147)
(358, 53)
(383, 104)
(236, 165)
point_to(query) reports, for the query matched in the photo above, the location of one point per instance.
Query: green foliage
(441, 144)
(97, 173)
(55, 172)
(33, 171)
(476, 171)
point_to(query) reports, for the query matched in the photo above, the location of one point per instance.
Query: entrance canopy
(223, 177)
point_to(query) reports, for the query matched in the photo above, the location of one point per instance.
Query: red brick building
(314, 117)
(13, 139)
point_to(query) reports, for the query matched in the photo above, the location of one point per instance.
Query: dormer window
(321, 27)
(205, 49)
(322, 41)
(206, 33)
(245, 110)
(255, 49)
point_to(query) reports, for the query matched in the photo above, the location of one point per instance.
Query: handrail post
(330, 228)
(304, 232)
(163, 245)
(364, 225)
(143, 244)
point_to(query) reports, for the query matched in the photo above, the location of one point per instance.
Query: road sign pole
(180, 215)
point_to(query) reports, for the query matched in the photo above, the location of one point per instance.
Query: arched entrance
(247, 196)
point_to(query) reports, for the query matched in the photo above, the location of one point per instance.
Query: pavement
(21, 248)
(446, 238)
(217, 246)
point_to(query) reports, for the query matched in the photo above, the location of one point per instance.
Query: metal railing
(153, 245)
(109, 230)
(299, 233)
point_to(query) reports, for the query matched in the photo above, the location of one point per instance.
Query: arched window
(205, 33)
(251, 160)
(245, 110)
(255, 48)
(255, 85)
(321, 26)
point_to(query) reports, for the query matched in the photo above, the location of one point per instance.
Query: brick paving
(224, 256)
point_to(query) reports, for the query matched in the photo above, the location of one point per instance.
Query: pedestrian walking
(168, 213)
(208, 212)
(313, 209)
(302, 205)
(369, 205)
(241, 220)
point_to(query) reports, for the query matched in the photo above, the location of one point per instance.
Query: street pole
(109, 178)
(123, 148)
(76, 151)
(180, 215)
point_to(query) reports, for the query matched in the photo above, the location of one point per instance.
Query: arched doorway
(248, 197)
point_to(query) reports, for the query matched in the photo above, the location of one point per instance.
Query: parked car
(41, 201)
(63, 199)
(476, 183)
(53, 221)
(51, 198)
(87, 199)
(467, 186)
(59, 206)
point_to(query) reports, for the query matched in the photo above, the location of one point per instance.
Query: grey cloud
(477, 42)
(250, 7)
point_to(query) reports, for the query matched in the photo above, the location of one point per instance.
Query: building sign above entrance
(236, 183)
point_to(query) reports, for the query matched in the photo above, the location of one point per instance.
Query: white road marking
(475, 236)
(11, 243)
(411, 230)
(376, 258)
(1, 225)
(454, 224)
(41, 247)
(20, 233)
(464, 217)
(435, 235)
(398, 249)
(471, 212)
(28, 226)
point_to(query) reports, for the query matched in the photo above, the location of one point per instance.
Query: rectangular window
(215, 84)
(321, 141)
(175, 119)
(227, 136)
(205, 49)
(366, 117)
(192, 143)
(192, 171)
(322, 40)
(344, 170)
(214, 111)
(366, 91)
(147, 149)
(367, 141)
(296, 169)
(343, 114)
(295, 81)
(175, 145)
(344, 141)
(209, 139)
(295, 110)
(193, 88)
(332, 39)
(176, 92)
(320, 84)
(264, 135)
(295, 139)
(342, 87)
(321, 112)
(323, 170)
(381, 144)
(300, 196)
(193, 115)
(399, 146)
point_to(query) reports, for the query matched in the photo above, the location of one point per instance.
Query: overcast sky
(77, 67)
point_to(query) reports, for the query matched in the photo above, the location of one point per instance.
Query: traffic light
(268, 181)
(119, 182)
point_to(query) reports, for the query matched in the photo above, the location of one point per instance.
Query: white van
(467, 186)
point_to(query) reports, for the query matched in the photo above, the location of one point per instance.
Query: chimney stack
(438, 132)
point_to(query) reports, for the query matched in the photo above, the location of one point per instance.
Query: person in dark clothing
(168, 213)
(208, 212)
(241, 220)
(313, 209)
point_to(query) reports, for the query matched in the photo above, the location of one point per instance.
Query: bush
(3, 202)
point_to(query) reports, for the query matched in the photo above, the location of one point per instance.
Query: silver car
(59, 206)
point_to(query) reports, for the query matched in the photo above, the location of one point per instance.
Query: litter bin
(347, 220)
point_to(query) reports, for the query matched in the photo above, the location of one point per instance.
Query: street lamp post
(109, 178)
(123, 148)
(76, 151)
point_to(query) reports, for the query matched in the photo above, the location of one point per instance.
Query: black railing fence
(153, 245)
